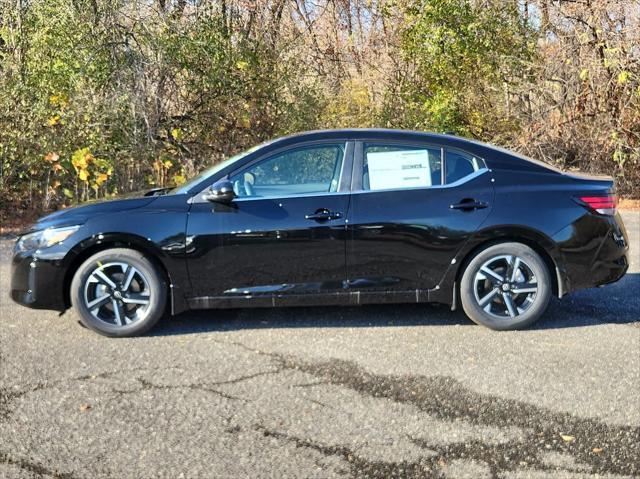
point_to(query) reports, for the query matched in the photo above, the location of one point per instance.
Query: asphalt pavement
(375, 391)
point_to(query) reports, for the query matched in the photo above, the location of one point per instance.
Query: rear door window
(399, 167)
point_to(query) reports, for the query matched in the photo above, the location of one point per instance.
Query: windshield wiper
(158, 191)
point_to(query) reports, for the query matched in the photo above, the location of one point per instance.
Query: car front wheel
(506, 286)
(119, 293)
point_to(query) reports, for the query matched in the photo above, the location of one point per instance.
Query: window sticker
(399, 169)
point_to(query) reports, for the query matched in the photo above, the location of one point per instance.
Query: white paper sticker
(399, 169)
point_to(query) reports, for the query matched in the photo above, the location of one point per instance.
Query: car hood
(82, 212)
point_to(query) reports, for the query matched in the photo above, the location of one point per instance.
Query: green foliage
(108, 96)
(463, 52)
(149, 96)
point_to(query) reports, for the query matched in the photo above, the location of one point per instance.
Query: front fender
(159, 233)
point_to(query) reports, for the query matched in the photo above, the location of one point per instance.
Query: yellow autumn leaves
(623, 76)
(59, 102)
(176, 134)
(90, 170)
(164, 174)
(88, 166)
(94, 172)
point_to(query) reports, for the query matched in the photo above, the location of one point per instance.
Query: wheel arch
(537, 241)
(102, 242)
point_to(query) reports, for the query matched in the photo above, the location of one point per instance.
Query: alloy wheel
(117, 293)
(505, 286)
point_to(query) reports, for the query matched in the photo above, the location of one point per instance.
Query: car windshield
(185, 187)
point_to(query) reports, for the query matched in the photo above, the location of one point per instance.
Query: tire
(119, 292)
(516, 300)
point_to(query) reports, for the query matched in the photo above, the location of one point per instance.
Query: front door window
(302, 171)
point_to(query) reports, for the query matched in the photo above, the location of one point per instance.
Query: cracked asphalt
(371, 392)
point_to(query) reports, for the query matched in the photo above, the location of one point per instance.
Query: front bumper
(37, 282)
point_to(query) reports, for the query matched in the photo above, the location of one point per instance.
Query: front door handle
(323, 215)
(469, 204)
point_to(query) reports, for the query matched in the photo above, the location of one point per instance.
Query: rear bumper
(595, 249)
(36, 282)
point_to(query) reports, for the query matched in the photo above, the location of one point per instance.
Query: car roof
(373, 133)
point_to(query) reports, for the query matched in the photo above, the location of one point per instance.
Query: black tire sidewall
(539, 268)
(157, 286)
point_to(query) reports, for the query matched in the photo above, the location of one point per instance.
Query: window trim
(242, 199)
(460, 182)
(358, 164)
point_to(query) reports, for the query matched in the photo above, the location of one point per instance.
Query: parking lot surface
(376, 391)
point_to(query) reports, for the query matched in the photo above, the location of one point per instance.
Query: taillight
(603, 204)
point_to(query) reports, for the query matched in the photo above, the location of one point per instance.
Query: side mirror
(221, 192)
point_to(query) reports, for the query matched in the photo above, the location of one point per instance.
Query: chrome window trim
(303, 195)
(455, 184)
(443, 167)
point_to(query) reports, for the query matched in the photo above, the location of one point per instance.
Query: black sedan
(341, 217)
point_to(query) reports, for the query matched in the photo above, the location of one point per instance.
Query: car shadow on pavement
(391, 315)
(617, 303)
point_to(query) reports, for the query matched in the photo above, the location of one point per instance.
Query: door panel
(404, 239)
(282, 236)
(267, 246)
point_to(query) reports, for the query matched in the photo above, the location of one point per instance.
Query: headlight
(45, 238)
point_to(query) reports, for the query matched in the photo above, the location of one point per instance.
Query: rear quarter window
(459, 165)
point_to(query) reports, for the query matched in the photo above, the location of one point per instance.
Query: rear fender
(446, 291)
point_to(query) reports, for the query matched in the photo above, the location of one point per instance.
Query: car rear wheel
(119, 293)
(506, 286)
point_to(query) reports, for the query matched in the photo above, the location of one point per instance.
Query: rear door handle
(324, 215)
(468, 205)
